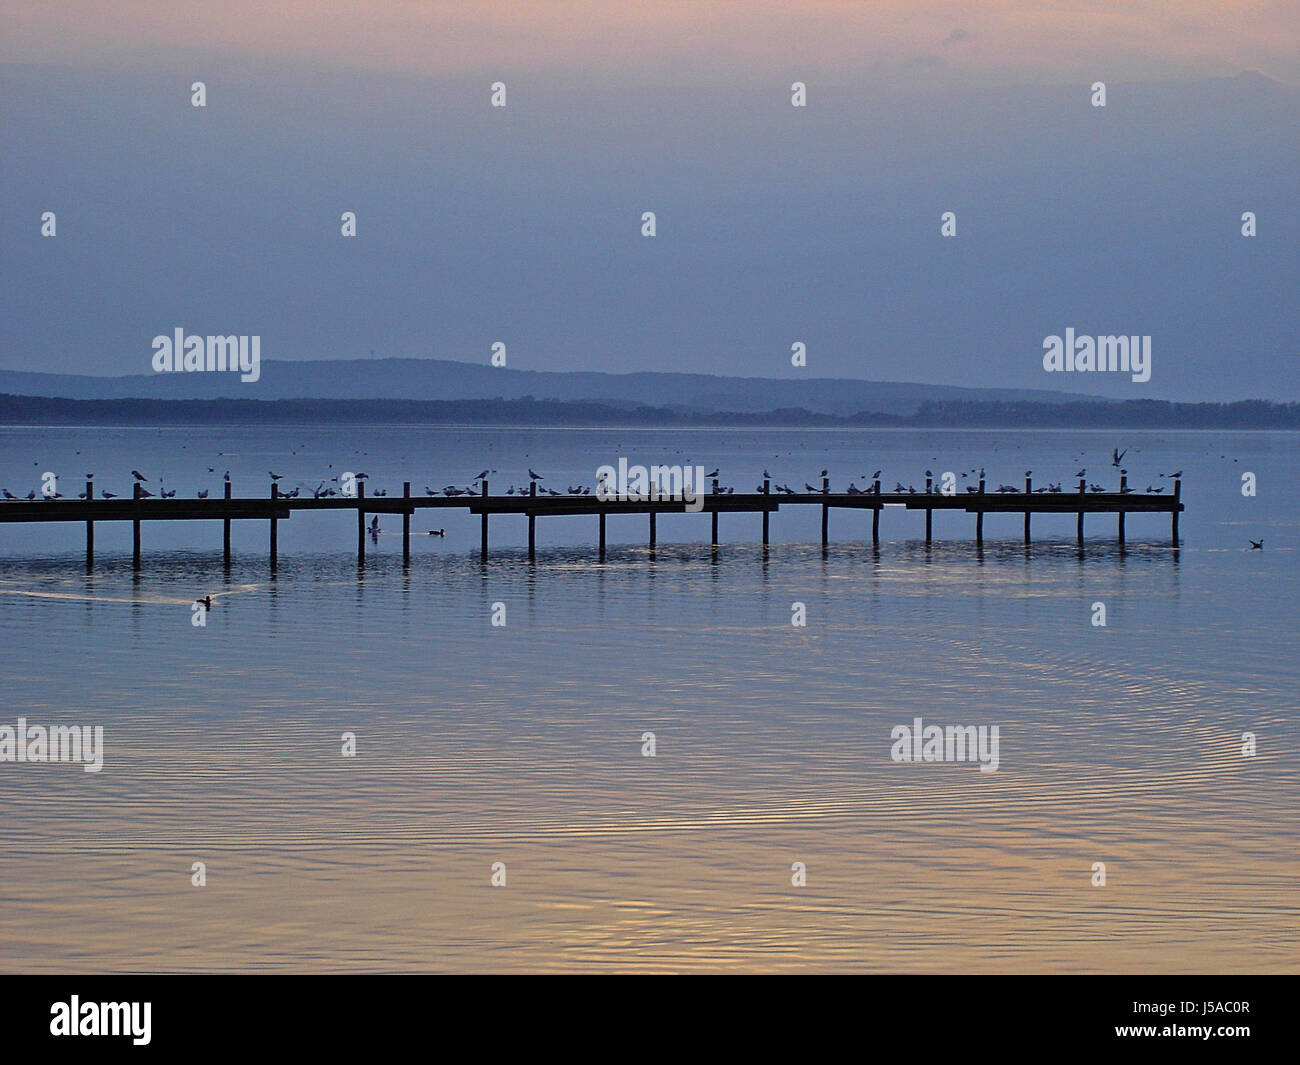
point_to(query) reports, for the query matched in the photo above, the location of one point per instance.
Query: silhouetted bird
(203, 493)
(1256, 545)
(138, 475)
(206, 601)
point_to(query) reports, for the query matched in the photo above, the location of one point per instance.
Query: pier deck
(275, 508)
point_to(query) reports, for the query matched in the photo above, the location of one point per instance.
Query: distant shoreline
(18, 410)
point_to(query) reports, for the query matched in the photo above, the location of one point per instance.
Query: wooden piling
(602, 536)
(483, 528)
(1178, 497)
(225, 543)
(826, 511)
(275, 536)
(1029, 489)
(532, 524)
(1123, 484)
(714, 534)
(929, 512)
(875, 517)
(652, 529)
(90, 529)
(135, 532)
(1083, 489)
(361, 523)
(406, 526)
(767, 490)
(979, 518)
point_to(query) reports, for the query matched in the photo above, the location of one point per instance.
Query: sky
(775, 224)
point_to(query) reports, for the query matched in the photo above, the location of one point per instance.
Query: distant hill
(1135, 414)
(440, 379)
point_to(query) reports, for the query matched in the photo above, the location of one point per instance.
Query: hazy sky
(1000, 40)
(776, 224)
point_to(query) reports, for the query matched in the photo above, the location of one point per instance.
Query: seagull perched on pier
(9, 495)
(274, 476)
(1082, 473)
(532, 475)
(1175, 475)
(203, 493)
(145, 493)
(108, 495)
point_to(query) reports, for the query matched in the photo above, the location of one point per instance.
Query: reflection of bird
(1257, 545)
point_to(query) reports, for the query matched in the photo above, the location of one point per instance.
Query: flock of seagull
(326, 487)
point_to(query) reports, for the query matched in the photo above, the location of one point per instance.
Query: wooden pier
(274, 508)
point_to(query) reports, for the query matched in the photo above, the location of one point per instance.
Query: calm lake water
(522, 744)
